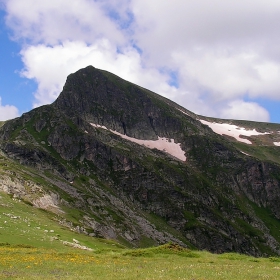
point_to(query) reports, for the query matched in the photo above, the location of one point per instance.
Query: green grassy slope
(24, 225)
(31, 248)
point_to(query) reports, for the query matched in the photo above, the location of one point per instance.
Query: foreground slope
(124, 163)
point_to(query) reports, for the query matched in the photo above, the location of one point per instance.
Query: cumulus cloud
(49, 67)
(163, 27)
(226, 76)
(54, 21)
(219, 52)
(240, 110)
(224, 47)
(7, 111)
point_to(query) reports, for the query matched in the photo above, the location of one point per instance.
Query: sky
(216, 58)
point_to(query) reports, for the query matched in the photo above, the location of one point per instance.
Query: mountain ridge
(218, 199)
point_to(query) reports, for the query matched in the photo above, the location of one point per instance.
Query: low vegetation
(34, 246)
(18, 262)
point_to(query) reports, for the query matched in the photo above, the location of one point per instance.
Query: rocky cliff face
(217, 199)
(103, 98)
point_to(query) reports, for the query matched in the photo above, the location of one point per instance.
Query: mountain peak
(103, 98)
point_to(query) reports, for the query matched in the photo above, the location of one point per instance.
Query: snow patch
(232, 130)
(162, 144)
(183, 112)
(276, 143)
(99, 126)
(245, 153)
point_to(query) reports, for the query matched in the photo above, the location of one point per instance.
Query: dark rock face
(215, 200)
(105, 99)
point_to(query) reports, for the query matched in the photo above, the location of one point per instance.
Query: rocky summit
(114, 160)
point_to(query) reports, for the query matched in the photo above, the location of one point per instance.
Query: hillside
(117, 161)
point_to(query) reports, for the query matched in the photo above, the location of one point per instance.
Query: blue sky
(219, 59)
(14, 89)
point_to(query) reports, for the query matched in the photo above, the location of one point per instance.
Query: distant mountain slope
(261, 139)
(125, 163)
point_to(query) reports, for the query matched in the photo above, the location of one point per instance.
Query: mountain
(114, 160)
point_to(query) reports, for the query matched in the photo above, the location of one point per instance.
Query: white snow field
(162, 144)
(232, 130)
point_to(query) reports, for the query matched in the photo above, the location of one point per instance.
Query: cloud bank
(7, 112)
(210, 57)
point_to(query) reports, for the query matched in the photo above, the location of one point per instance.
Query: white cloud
(49, 66)
(240, 110)
(54, 21)
(7, 112)
(224, 48)
(220, 51)
(225, 76)
(163, 27)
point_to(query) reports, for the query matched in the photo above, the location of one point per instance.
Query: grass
(270, 221)
(268, 153)
(20, 223)
(34, 263)
(31, 248)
